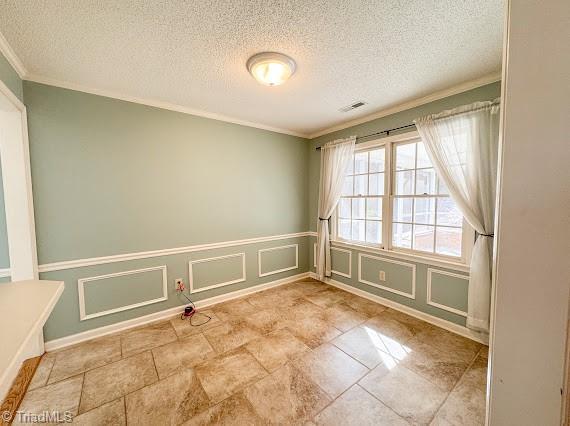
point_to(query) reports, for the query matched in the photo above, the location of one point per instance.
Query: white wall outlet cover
(382, 276)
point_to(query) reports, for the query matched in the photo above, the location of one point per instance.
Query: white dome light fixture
(271, 68)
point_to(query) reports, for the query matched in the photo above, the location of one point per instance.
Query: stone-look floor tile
(276, 349)
(85, 356)
(331, 369)
(272, 298)
(230, 335)
(300, 308)
(326, 298)
(147, 337)
(408, 394)
(197, 324)
(371, 347)
(309, 287)
(416, 325)
(484, 352)
(43, 371)
(60, 397)
(170, 401)
(447, 341)
(466, 403)
(229, 372)
(235, 410)
(110, 414)
(389, 328)
(234, 309)
(441, 368)
(181, 354)
(312, 330)
(343, 317)
(104, 384)
(364, 306)
(356, 407)
(287, 396)
(265, 321)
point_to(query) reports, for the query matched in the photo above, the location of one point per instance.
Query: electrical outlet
(382, 276)
(179, 284)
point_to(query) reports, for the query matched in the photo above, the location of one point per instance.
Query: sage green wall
(11, 78)
(445, 290)
(113, 177)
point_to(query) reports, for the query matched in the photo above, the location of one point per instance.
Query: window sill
(442, 263)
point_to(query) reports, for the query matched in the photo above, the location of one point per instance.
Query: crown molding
(454, 90)
(12, 58)
(157, 104)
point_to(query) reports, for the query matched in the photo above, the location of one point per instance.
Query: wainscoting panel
(277, 259)
(107, 294)
(447, 291)
(214, 272)
(400, 277)
(341, 260)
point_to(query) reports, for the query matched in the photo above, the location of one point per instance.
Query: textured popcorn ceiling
(193, 53)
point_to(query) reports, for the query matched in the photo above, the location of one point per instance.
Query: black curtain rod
(383, 132)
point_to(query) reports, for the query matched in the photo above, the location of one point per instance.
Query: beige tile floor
(303, 353)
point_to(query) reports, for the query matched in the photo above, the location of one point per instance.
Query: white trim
(5, 272)
(73, 339)
(277, 270)
(430, 302)
(157, 104)
(411, 295)
(342, 274)
(454, 90)
(79, 263)
(12, 58)
(211, 259)
(81, 292)
(439, 322)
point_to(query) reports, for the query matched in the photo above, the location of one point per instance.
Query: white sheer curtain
(462, 144)
(335, 160)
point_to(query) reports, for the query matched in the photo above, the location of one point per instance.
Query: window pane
(448, 241)
(361, 185)
(350, 170)
(442, 187)
(358, 230)
(344, 229)
(402, 235)
(377, 161)
(376, 184)
(361, 162)
(448, 213)
(405, 156)
(374, 208)
(358, 208)
(425, 181)
(424, 210)
(404, 184)
(373, 232)
(423, 237)
(423, 159)
(347, 185)
(344, 208)
(403, 209)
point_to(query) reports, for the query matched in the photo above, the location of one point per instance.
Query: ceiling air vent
(352, 106)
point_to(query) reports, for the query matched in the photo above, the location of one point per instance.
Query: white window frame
(468, 234)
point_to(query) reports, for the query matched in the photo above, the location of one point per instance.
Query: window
(418, 216)
(360, 207)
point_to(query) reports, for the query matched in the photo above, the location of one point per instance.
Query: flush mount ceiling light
(271, 68)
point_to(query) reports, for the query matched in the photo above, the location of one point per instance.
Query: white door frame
(17, 183)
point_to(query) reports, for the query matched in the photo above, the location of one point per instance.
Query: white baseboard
(447, 325)
(73, 339)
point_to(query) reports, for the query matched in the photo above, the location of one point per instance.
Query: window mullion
(387, 199)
